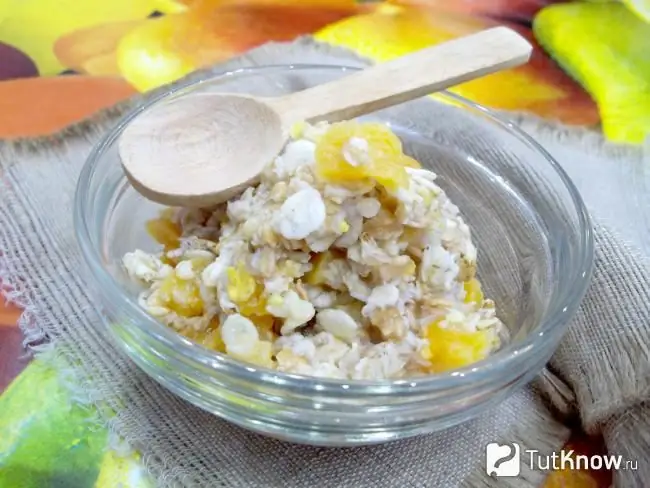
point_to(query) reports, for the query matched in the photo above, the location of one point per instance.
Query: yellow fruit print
(33, 26)
(393, 30)
(606, 47)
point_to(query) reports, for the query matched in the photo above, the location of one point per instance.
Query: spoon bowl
(179, 138)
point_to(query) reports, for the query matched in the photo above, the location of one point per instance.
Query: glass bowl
(535, 248)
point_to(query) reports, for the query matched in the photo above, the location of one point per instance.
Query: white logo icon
(503, 460)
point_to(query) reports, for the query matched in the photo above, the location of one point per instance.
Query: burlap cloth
(601, 371)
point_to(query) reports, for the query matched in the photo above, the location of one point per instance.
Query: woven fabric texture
(602, 368)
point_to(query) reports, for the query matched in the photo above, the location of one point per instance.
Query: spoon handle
(406, 78)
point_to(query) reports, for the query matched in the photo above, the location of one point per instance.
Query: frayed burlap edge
(627, 435)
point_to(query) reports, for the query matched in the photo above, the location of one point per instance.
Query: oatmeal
(346, 261)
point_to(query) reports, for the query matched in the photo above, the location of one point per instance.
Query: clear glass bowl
(535, 258)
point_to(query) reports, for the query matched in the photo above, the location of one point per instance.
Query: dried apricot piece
(453, 349)
(165, 232)
(352, 151)
(331, 163)
(265, 326)
(245, 291)
(241, 285)
(255, 305)
(319, 262)
(181, 296)
(211, 337)
(389, 173)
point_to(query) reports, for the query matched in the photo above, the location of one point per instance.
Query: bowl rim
(550, 329)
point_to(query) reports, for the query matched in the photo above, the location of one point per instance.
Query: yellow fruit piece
(410, 268)
(452, 349)
(264, 324)
(412, 235)
(165, 232)
(330, 162)
(319, 263)
(473, 291)
(211, 339)
(181, 296)
(245, 292)
(344, 227)
(288, 360)
(255, 305)
(241, 285)
(262, 356)
(389, 173)
(352, 152)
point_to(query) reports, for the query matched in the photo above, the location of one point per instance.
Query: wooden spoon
(202, 149)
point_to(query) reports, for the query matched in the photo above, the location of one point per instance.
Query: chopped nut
(374, 334)
(390, 323)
